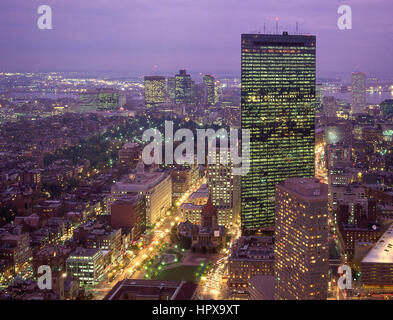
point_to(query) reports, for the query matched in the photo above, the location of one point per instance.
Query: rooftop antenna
(264, 28)
(297, 28)
(276, 25)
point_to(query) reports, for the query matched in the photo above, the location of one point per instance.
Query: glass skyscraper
(278, 107)
(208, 80)
(184, 87)
(358, 93)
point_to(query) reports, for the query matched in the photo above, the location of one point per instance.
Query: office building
(140, 289)
(261, 288)
(87, 265)
(183, 88)
(358, 95)
(128, 213)
(301, 240)
(200, 94)
(224, 187)
(171, 88)
(329, 106)
(155, 90)
(156, 186)
(209, 82)
(191, 209)
(376, 268)
(278, 107)
(251, 256)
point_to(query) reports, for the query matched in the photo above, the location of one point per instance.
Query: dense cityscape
(84, 217)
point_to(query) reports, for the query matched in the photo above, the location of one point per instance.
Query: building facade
(301, 237)
(224, 187)
(358, 94)
(87, 265)
(209, 82)
(184, 87)
(155, 90)
(156, 186)
(278, 107)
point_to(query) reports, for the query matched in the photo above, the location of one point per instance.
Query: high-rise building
(329, 106)
(155, 90)
(278, 107)
(208, 80)
(318, 97)
(171, 88)
(301, 240)
(224, 187)
(358, 95)
(200, 94)
(183, 89)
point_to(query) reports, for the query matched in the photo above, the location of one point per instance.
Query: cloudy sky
(199, 35)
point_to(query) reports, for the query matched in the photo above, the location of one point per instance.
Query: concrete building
(128, 212)
(87, 266)
(209, 82)
(139, 289)
(377, 266)
(301, 240)
(329, 106)
(183, 178)
(261, 288)
(191, 209)
(156, 186)
(251, 256)
(155, 90)
(358, 95)
(15, 247)
(224, 187)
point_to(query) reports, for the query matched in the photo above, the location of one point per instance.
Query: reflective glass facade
(183, 90)
(278, 106)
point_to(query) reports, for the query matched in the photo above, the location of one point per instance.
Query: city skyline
(146, 36)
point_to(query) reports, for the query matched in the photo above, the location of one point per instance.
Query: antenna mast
(276, 25)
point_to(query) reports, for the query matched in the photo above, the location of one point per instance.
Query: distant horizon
(125, 74)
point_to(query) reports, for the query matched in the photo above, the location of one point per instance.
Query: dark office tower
(155, 90)
(171, 88)
(200, 94)
(183, 90)
(278, 107)
(208, 80)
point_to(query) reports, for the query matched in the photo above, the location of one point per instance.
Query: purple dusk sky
(200, 35)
